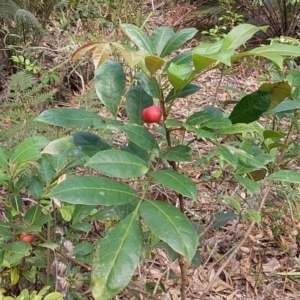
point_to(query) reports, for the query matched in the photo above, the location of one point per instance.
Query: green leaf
(253, 214)
(279, 90)
(227, 155)
(85, 227)
(285, 176)
(141, 137)
(239, 35)
(138, 37)
(116, 257)
(171, 226)
(203, 60)
(137, 150)
(118, 163)
(178, 40)
(68, 117)
(63, 147)
(160, 38)
(177, 182)
(3, 160)
(81, 211)
(29, 150)
(275, 53)
(287, 105)
(46, 170)
(251, 107)
(150, 85)
(252, 186)
(66, 212)
(92, 190)
(110, 84)
(238, 128)
(136, 101)
(89, 143)
(82, 249)
(221, 218)
(234, 202)
(178, 153)
(180, 75)
(182, 58)
(35, 187)
(32, 215)
(53, 296)
(153, 63)
(273, 134)
(186, 91)
(208, 119)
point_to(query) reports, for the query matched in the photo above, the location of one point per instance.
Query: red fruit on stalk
(152, 114)
(27, 238)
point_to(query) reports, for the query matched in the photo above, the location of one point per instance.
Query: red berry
(27, 238)
(152, 114)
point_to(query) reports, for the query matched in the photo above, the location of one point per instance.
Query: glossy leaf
(180, 75)
(177, 182)
(279, 90)
(203, 60)
(251, 107)
(116, 257)
(249, 163)
(287, 105)
(63, 147)
(68, 117)
(285, 176)
(137, 150)
(35, 188)
(46, 170)
(171, 226)
(89, 143)
(138, 37)
(110, 84)
(29, 150)
(141, 137)
(178, 40)
(239, 35)
(150, 85)
(227, 155)
(178, 153)
(160, 38)
(252, 186)
(275, 53)
(81, 211)
(153, 63)
(136, 101)
(186, 91)
(118, 163)
(182, 58)
(92, 190)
